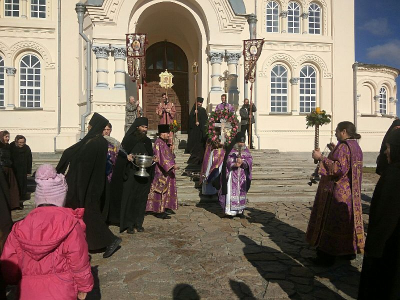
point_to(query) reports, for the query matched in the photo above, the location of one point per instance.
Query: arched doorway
(161, 56)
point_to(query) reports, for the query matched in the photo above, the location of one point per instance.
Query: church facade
(307, 61)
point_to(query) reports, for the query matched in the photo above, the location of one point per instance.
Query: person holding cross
(224, 105)
(248, 119)
(166, 111)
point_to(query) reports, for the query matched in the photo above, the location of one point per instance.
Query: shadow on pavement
(185, 292)
(241, 290)
(95, 294)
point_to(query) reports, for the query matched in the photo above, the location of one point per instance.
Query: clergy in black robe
(21, 157)
(380, 275)
(197, 133)
(128, 190)
(86, 180)
(382, 161)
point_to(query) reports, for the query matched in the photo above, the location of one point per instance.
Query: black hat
(141, 121)
(240, 137)
(394, 137)
(163, 128)
(97, 118)
(200, 99)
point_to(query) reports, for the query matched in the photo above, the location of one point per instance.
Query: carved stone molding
(19, 47)
(216, 57)
(11, 71)
(391, 99)
(377, 98)
(318, 61)
(305, 15)
(295, 80)
(101, 51)
(228, 21)
(284, 14)
(280, 57)
(108, 12)
(379, 69)
(233, 57)
(119, 52)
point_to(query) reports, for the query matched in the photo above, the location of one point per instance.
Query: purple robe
(225, 105)
(163, 192)
(213, 168)
(204, 165)
(238, 181)
(336, 225)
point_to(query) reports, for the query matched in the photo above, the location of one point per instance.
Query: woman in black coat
(380, 275)
(21, 157)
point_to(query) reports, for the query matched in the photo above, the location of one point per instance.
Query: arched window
(293, 17)
(30, 81)
(314, 19)
(382, 100)
(272, 16)
(11, 8)
(308, 89)
(1, 82)
(38, 9)
(279, 89)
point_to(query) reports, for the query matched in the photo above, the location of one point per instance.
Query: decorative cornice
(30, 45)
(318, 61)
(216, 57)
(11, 71)
(379, 68)
(119, 52)
(227, 19)
(101, 51)
(233, 57)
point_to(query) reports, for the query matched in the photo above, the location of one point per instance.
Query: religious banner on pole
(136, 55)
(251, 53)
(166, 80)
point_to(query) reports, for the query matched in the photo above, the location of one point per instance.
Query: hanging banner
(136, 55)
(251, 53)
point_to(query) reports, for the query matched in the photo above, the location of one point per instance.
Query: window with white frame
(38, 9)
(293, 17)
(279, 89)
(11, 8)
(30, 81)
(382, 100)
(272, 16)
(308, 89)
(314, 19)
(1, 82)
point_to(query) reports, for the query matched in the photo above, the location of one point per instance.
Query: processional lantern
(136, 55)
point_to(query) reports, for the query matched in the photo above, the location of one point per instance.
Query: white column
(10, 104)
(232, 59)
(101, 52)
(295, 97)
(119, 73)
(376, 100)
(23, 8)
(284, 21)
(216, 61)
(304, 17)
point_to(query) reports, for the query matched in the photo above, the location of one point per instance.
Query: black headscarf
(141, 121)
(381, 161)
(239, 138)
(98, 123)
(132, 136)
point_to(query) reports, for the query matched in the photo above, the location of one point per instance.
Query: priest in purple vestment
(236, 177)
(163, 199)
(224, 105)
(212, 168)
(336, 225)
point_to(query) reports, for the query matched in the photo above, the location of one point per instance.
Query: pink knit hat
(51, 188)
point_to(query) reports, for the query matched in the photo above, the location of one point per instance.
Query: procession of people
(100, 182)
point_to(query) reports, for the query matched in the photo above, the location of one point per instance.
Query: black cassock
(22, 165)
(86, 179)
(197, 135)
(129, 192)
(380, 275)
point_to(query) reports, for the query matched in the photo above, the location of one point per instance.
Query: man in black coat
(246, 118)
(21, 157)
(129, 191)
(86, 178)
(197, 133)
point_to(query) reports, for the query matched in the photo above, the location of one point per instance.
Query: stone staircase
(277, 176)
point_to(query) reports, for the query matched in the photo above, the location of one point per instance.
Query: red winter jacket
(47, 254)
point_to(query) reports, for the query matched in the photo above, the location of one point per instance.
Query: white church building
(307, 61)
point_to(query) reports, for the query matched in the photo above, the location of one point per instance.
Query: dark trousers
(245, 129)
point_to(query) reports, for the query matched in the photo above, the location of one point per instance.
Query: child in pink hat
(46, 253)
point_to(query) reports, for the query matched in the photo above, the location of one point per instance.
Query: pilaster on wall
(102, 53)
(119, 59)
(11, 91)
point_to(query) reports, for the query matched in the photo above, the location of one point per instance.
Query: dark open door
(161, 56)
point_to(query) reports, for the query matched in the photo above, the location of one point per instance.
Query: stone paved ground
(198, 254)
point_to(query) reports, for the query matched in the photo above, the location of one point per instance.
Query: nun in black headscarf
(86, 179)
(129, 191)
(380, 275)
(381, 161)
(236, 176)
